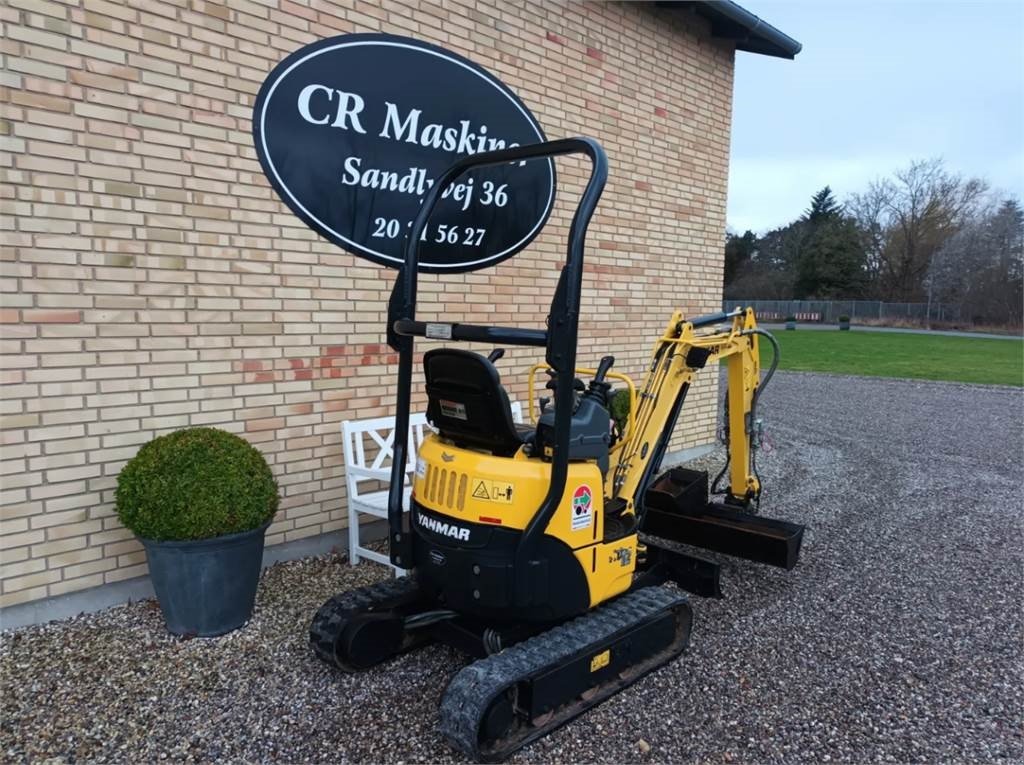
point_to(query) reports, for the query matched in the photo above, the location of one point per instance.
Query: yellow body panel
(505, 491)
(609, 567)
(477, 487)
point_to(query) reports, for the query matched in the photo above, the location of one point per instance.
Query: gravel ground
(898, 638)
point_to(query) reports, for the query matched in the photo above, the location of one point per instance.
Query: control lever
(552, 383)
(602, 369)
(598, 387)
(496, 354)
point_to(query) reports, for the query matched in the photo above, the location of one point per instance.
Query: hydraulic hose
(771, 367)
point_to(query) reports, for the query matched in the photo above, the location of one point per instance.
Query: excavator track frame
(377, 611)
(495, 706)
(498, 704)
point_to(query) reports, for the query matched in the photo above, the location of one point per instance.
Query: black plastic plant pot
(207, 587)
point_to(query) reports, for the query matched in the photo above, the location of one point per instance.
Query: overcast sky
(876, 85)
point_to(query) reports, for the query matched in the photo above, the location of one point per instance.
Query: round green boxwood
(195, 484)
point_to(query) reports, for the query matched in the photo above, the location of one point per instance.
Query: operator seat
(467, 403)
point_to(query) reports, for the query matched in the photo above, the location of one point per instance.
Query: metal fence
(829, 311)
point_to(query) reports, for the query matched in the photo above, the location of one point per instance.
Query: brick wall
(152, 281)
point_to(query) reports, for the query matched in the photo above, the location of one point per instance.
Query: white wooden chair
(368, 457)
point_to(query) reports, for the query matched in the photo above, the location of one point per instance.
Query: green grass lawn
(902, 354)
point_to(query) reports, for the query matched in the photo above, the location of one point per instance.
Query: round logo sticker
(582, 503)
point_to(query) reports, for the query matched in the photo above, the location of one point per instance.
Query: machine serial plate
(439, 331)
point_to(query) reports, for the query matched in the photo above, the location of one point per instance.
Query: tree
(832, 263)
(818, 255)
(1007, 237)
(771, 268)
(1007, 234)
(996, 292)
(981, 266)
(906, 219)
(959, 260)
(824, 207)
(738, 252)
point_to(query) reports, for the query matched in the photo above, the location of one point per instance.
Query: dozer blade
(731, 532)
(497, 705)
(677, 509)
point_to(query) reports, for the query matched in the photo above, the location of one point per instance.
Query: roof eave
(750, 33)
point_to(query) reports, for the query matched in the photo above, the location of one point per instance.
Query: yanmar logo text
(442, 528)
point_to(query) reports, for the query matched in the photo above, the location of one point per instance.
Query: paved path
(863, 328)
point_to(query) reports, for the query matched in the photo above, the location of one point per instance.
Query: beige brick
(59, 518)
(59, 546)
(75, 557)
(73, 529)
(12, 525)
(73, 500)
(22, 596)
(117, 534)
(17, 540)
(37, 37)
(17, 583)
(73, 585)
(92, 567)
(22, 510)
(130, 572)
(10, 570)
(37, 68)
(154, 280)
(56, 432)
(19, 421)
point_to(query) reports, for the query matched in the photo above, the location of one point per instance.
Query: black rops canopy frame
(559, 339)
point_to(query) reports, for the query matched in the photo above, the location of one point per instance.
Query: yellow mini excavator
(542, 550)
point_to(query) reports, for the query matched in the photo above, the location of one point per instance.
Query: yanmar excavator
(542, 550)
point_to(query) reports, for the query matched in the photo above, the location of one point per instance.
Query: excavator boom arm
(683, 350)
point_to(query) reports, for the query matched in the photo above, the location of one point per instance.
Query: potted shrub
(844, 323)
(791, 322)
(200, 501)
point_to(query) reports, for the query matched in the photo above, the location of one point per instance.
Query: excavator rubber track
(497, 705)
(384, 605)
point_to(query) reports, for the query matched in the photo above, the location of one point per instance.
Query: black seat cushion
(467, 403)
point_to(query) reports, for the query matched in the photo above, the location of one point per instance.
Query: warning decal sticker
(492, 491)
(582, 508)
(501, 491)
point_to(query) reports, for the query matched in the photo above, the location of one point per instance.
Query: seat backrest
(467, 403)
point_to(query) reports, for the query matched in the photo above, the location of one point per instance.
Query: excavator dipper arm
(683, 350)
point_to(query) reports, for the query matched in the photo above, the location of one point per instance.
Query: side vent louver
(446, 488)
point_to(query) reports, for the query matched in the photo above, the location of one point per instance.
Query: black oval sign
(352, 131)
